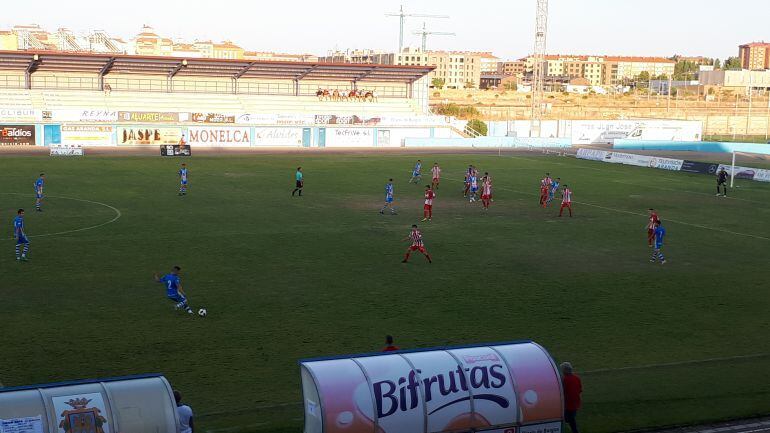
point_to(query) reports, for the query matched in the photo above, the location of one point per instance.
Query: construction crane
(539, 67)
(402, 16)
(424, 33)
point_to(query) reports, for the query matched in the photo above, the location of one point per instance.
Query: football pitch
(285, 278)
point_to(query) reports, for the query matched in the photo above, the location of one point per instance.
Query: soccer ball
(202, 312)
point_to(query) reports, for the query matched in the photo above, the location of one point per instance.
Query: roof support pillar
(31, 67)
(296, 87)
(105, 69)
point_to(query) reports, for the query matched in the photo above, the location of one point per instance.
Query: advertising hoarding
(17, 135)
(277, 136)
(445, 390)
(591, 132)
(349, 137)
(148, 135)
(87, 135)
(214, 136)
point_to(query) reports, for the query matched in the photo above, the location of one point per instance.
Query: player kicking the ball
(427, 210)
(183, 180)
(416, 237)
(174, 290)
(388, 199)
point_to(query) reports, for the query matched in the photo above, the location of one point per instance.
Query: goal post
(738, 170)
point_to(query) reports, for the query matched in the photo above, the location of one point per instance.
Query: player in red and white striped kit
(566, 200)
(651, 226)
(486, 192)
(436, 172)
(416, 237)
(427, 212)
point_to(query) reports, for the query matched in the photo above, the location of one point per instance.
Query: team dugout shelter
(100, 72)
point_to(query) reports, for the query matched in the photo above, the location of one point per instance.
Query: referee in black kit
(722, 182)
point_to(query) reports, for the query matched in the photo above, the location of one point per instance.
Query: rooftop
(52, 61)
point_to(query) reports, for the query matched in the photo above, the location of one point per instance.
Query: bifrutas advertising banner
(448, 390)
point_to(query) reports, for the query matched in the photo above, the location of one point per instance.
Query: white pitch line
(118, 214)
(700, 226)
(678, 363)
(687, 192)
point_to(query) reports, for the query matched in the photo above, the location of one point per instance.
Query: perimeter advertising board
(86, 116)
(148, 117)
(20, 115)
(588, 132)
(349, 137)
(213, 136)
(87, 135)
(17, 135)
(448, 390)
(148, 135)
(277, 137)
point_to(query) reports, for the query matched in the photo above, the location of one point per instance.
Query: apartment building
(755, 55)
(458, 69)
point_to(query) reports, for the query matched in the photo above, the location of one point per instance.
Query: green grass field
(285, 278)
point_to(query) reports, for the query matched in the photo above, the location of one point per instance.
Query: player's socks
(406, 258)
(427, 256)
(18, 252)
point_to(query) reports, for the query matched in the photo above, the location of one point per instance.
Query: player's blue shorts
(474, 188)
(38, 195)
(389, 199)
(658, 245)
(416, 174)
(177, 298)
(184, 182)
(22, 240)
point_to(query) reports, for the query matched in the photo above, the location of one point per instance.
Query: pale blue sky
(712, 28)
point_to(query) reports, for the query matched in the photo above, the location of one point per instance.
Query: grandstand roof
(46, 61)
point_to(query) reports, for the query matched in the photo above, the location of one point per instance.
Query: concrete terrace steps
(198, 102)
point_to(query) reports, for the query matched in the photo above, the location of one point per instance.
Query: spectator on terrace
(185, 414)
(107, 89)
(390, 347)
(182, 142)
(573, 387)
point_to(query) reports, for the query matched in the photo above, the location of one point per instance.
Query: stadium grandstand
(51, 88)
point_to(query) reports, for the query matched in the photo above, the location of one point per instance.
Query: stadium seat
(201, 102)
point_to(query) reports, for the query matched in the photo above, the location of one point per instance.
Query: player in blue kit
(174, 290)
(388, 199)
(416, 172)
(473, 183)
(39, 183)
(555, 183)
(183, 180)
(659, 233)
(22, 243)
